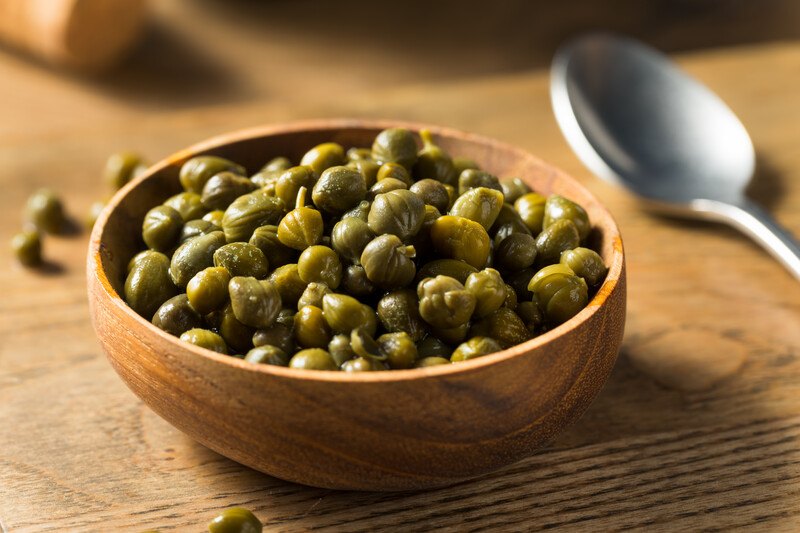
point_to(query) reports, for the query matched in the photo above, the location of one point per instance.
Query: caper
(188, 204)
(475, 347)
(205, 339)
(288, 184)
(267, 355)
(265, 238)
(558, 237)
(148, 284)
(255, 303)
(323, 156)
(208, 289)
(344, 314)
(454, 268)
(433, 162)
(388, 262)
(313, 359)
(367, 168)
(473, 178)
(27, 248)
(310, 328)
(176, 315)
(398, 311)
(398, 213)
(301, 227)
(45, 211)
(320, 263)
(530, 208)
(514, 188)
(365, 346)
(340, 349)
(248, 212)
(433, 193)
(399, 348)
(444, 302)
(222, 189)
(362, 364)
(515, 252)
(193, 256)
(196, 227)
(356, 282)
(431, 361)
(313, 294)
(289, 284)
(479, 204)
(461, 238)
(350, 236)
(394, 171)
(384, 186)
(489, 290)
(395, 145)
(121, 167)
(279, 336)
(504, 326)
(196, 171)
(235, 520)
(338, 189)
(430, 346)
(559, 208)
(586, 263)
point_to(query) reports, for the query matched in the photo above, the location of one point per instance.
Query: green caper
(188, 204)
(358, 154)
(120, 168)
(344, 314)
(242, 259)
(559, 208)
(340, 349)
(365, 346)
(515, 252)
(277, 163)
(444, 302)
(255, 303)
(339, 189)
(176, 315)
(265, 238)
(504, 326)
(454, 268)
(586, 263)
(559, 292)
(196, 227)
(248, 212)
(384, 186)
(514, 188)
(93, 214)
(367, 168)
(398, 311)
(558, 237)
(205, 339)
(461, 238)
(473, 178)
(324, 156)
(222, 189)
(27, 248)
(287, 280)
(45, 211)
(313, 359)
(400, 350)
(463, 163)
(350, 236)
(362, 364)
(360, 211)
(267, 355)
(395, 145)
(302, 226)
(215, 217)
(208, 289)
(237, 336)
(475, 347)
(433, 193)
(398, 213)
(288, 184)
(511, 298)
(161, 228)
(452, 336)
(266, 180)
(430, 346)
(388, 262)
(235, 520)
(530, 208)
(431, 361)
(320, 263)
(394, 171)
(433, 162)
(313, 294)
(310, 328)
(279, 336)
(148, 284)
(356, 282)
(531, 315)
(489, 290)
(196, 171)
(479, 204)
(193, 256)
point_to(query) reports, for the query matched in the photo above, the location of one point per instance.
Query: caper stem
(408, 251)
(301, 197)
(426, 136)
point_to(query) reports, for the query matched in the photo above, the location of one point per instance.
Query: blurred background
(310, 57)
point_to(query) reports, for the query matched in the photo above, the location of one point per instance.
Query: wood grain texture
(397, 430)
(79, 452)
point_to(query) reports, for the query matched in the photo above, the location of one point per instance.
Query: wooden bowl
(396, 430)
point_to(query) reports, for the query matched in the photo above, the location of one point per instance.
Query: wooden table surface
(698, 427)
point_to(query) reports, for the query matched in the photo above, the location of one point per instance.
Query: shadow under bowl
(395, 430)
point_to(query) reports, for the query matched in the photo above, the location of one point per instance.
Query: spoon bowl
(636, 119)
(394, 430)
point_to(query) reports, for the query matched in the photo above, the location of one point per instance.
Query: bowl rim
(95, 265)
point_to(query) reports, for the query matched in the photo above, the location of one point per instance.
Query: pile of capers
(361, 259)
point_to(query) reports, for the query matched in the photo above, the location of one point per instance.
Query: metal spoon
(636, 119)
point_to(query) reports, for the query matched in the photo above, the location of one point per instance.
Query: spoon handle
(757, 224)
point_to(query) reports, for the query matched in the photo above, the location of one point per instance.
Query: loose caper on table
(361, 259)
